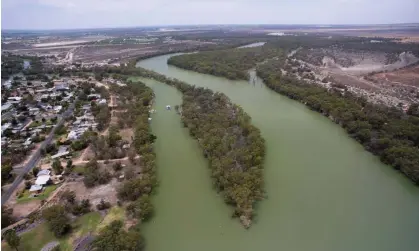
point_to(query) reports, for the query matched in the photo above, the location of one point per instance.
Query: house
(33, 109)
(93, 96)
(6, 107)
(72, 135)
(59, 155)
(86, 107)
(43, 180)
(58, 108)
(28, 142)
(14, 99)
(35, 189)
(62, 149)
(102, 101)
(62, 87)
(43, 172)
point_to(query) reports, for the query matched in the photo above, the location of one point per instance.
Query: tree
(7, 218)
(35, 171)
(28, 184)
(12, 239)
(6, 170)
(69, 196)
(57, 220)
(69, 165)
(113, 136)
(103, 205)
(57, 167)
(142, 208)
(114, 237)
(413, 110)
(117, 166)
(82, 208)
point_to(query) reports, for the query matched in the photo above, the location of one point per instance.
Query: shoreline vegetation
(235, 149)
(386, 132)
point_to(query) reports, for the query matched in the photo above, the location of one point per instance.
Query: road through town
(36, 156)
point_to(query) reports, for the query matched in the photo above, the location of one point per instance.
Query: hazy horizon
(104, 14)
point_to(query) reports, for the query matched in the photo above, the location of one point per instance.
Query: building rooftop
(35, 188)
(43, 172)
(42, 180)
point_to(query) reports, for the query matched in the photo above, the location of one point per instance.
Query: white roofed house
(43, 180)
(72, 135)
(58, 108)
(43, 172)
(61, 86)
(102, 101)
(36, 189)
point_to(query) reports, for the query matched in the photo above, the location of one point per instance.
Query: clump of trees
(72, 205)
(57, 220)
(102, 115)
(103, 205)
(6, 173)
(12, 239)
(142, 208)
(94, 176)
(229, 63)
(84, 140)
(110, 146)
(7, 217)
(114, 237)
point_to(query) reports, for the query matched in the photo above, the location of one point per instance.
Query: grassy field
(35, 239)
(44, 195)
(85, 224)
(79, 169)
(115, 213)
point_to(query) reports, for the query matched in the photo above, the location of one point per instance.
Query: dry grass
(115, 213)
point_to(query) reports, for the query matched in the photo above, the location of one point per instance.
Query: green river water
(324, 191)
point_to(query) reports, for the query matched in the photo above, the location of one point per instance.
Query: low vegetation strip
(231, 63)
(234, 147)
(386, 132)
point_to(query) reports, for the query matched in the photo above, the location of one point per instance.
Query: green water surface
(325, 192)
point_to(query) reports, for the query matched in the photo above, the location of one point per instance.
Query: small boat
(168, 107)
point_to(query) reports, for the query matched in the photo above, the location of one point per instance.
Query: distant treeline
(386, 132)
(231, 63)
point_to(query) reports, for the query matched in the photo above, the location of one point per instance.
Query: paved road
(36, 156)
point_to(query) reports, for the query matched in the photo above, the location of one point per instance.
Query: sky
(71, 14)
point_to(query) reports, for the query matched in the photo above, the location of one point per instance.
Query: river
(325, 192)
